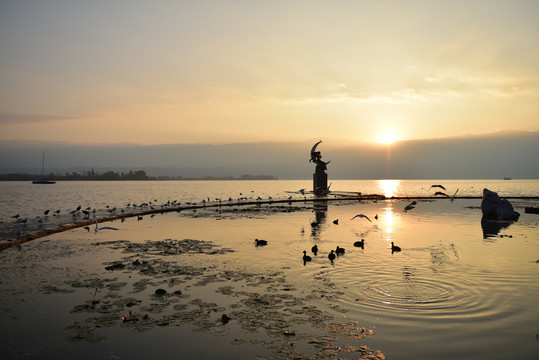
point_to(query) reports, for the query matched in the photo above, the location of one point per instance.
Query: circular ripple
(421, 292)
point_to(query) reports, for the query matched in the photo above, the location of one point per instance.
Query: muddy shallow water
(194, 285)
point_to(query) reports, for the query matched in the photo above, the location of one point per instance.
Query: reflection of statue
(320, 178)
(320, 208)
(492, 228)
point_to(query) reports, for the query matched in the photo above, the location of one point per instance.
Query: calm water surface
(458, 289)
(30, 200)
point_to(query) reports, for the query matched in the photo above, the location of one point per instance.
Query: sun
(387, 138)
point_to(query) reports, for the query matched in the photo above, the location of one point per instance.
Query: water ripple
(423, 293)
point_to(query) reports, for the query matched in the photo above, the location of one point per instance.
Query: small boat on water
(43, 180)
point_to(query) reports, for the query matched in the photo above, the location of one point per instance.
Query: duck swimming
(360, 244)
(314, 249)
(306, 257)
(394, 247)
(331, 256)
(339, 250)
(260, 242)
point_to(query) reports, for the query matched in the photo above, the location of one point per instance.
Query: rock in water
(493, 207)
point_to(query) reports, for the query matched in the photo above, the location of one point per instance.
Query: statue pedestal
(320, 183)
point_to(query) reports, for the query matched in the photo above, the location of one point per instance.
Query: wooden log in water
(531, 210)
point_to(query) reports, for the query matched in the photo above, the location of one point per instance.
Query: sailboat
(43, 180)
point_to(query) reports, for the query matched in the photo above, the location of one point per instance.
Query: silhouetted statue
(320, 177)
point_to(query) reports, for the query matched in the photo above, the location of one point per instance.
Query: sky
(167, 72)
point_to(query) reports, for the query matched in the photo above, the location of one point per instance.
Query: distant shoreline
(136, 176)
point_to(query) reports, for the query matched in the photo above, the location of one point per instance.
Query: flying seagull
(440, 193)
(453, 197)
(410, 206)
(97, 228)
(361, 216)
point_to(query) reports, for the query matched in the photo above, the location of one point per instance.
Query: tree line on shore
(131, 175)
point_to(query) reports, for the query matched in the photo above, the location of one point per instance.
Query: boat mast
(42, 163)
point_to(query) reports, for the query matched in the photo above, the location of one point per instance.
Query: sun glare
(387, 139)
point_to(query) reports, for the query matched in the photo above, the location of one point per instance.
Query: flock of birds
(339, 250)
(333, 254)
(89, 214)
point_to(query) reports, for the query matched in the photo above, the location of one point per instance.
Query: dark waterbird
(360, 244)
(339, 250)
(306, 257)
(260, 242)
(331, 256)
(314, 249)
(336, 221)
(394, 247)
(46, 212)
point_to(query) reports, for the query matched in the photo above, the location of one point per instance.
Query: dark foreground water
(460, 287)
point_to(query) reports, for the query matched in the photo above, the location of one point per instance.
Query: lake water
(30, 200)
(460, 288)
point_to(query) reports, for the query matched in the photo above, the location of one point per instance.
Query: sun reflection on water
(388, 187)
(388, 219)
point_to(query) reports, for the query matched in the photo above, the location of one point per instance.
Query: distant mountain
(495, 155)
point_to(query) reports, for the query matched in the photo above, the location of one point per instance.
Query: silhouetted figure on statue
(320, 178)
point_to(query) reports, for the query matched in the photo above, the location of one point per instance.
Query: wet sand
(194, 285)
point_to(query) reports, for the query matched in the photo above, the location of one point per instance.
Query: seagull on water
(361, 216)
